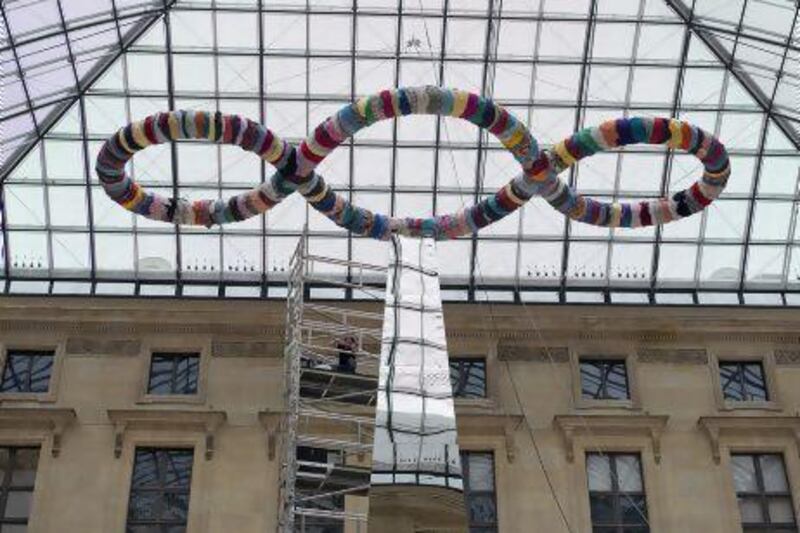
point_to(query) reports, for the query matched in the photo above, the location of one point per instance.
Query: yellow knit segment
(615, 216)
(275, 150)
(675, 134)
(459, 103)
(396, 104)
(563, 153)
(361, 106)
(514, 139)
(123, 142)
(137, 129)
(319, 196)
(174, 127)
(212, 128)
(130, 204)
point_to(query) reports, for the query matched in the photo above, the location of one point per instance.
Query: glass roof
(729, 66)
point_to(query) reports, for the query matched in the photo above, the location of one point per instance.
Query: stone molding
(717, 428)
(50, 420)
(651, 426)
(683, 356)
(166, 419)
(787, 357)
(221, 348)
(103, 346)
(537, 354)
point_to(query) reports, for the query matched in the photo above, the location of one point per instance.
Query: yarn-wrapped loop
(295, 167)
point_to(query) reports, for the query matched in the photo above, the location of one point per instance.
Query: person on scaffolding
(347, 347)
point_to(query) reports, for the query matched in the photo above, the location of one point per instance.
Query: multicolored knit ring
(295, 166)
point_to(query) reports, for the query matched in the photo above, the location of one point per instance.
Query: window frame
(762, 494)
(605, 364)
(732, 355)
(612, 353)
(173, 346)
(471, 360)
(467, 492)
(740, 374)
(615, 493)
(49, 396)
(161, 489)
(6, 488)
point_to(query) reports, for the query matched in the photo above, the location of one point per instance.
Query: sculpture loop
(295, 167)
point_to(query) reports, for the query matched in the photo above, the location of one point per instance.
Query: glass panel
(602, 508)
(161, 375)
(176, 507)
(25, 462)
(629, 474)
(598, 472)
(751, 510)
(179, 469)
(754, 384)
(18, 504)
(731, 381)
(772, 473)
(41, 367)
(744, 473)
(468, 378)
(633, 510)
(482, 509)
(781, 510)
(143, 506)
(481, 472)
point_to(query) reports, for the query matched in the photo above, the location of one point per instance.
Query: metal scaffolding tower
(331, 363)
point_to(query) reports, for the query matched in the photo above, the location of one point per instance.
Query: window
(616, 493)
(159, 499)
(18, 473)
(604, 379)
(478, 471)
(468, 377)
(174, 373)
(765, 501)
(27, 371)
(743, 381)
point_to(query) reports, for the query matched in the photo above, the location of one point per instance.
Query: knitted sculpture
(295, 166)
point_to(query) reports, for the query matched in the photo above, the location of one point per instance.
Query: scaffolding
(331, 359)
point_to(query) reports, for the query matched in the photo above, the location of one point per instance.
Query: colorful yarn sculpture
(295, 166)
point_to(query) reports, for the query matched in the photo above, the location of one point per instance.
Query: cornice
(718, 427)
(651, 426)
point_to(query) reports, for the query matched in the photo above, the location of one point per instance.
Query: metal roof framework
(74, 72)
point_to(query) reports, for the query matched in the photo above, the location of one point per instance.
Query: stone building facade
(677, 419)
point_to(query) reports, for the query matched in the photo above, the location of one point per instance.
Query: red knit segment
(540, 164)
(201, 213)
(572, 148)
(163, 124)
(698, 195)
(500, 123)
(505, 201)
(323, 138)
(149, 132)
(388, 109)
(308, 154)
(268, 138)
(644, 214)
(227, 130)
(660, 131)
(471, 107)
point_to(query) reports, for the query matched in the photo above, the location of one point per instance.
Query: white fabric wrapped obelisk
(415, 434)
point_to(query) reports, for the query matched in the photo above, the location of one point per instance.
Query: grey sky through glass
(731, 67)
